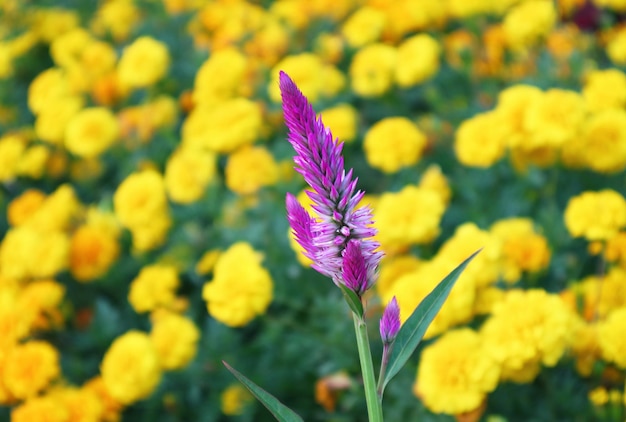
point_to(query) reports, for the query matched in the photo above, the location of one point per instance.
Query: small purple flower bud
(354, 268)
(390, 322)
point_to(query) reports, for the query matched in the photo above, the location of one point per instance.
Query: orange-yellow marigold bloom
(596, 215)
(143, 63)
(29, 368)
(91, 132)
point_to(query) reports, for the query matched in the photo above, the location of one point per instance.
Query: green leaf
(415, 326)
(353, 300)
(281, 412)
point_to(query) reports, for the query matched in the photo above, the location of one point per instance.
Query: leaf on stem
(413, 329)
(353, 300)
(281, 412)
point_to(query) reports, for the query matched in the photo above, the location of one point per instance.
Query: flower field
(144, 239)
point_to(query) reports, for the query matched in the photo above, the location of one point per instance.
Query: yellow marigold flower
(525, 329)
(175, 339)
(52, 121)
(616, 249)
(523, 249)
(555, 118)
(528, 22)
(342, 119)
(329, 47)
(27, 253)
(49, 23)
(49, 85)
(92, 252)
(111, 408)
(236, 122)
(456, 373)
(56, 212)
(417, 60)
(464, 9)
(33, 162)
(12, 148)
(240, 289)
(234, 400)
(599, 396)
(595, 215)
(481, 140)
(393, 143)
(411, 288)
(616, 48)
(220, 77)
(16, 321)
(82, 404)
(602, 294)
(207, 262)
(143, 63)
(130, 368)
(42, 298)
(67, 48)
(408, 217)
(604, 89)
(29, 368)
(467, 239)
(91, 132)
(392, 269)
(140, 198)
(513, 104)
(249, 169)
(117, 17)
(155, 286)
(269, 43)
(604, 141)
(585, 347)
(22, 208)
(315, 79)
(42, 408)
(188, 173)
(363, 27)
(611, 338)
(617, 5)
(433, 179)
(97, 59)
(149, 236)
(372, 70)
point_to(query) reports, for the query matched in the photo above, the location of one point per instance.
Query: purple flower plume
(338, 223)
(390, 322)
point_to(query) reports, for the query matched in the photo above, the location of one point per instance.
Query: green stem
(383, 369)
(374, 408)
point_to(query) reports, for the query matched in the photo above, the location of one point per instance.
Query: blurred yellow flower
(240, 289)
(372, 70)
(52, 121)
(249, 169)
(611, 337)
(130, 368)
(80, 403)
(12, 148)
(117, 17)
(529, 21)
(480, 141)
(33, 162)
(154, 287)
(49, 85)
(392, 269)
(363, 27)
(603, 141)
(595, 215)
(417, 60)
(433, 179)
(188, 173)
(393, 143)
(220, 77)
(236, 122)
(91, 132)
(526, 329)
(22, 208)
(342, 120)
(408, 217)
(57, 212)
(93, 250)
(616, 48)
(29, 368)
(175, 339)
(39, 409)
(143, 63)
(42, 298)
(67, 48)
(604, 89)
(456, 373)
(234, 400)
(50, 22)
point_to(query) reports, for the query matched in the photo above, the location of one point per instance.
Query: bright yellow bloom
(155, 286)
(93, 250)
(603, 147)
(433, 179)
(42, 408)
(456, 373)
(240, 289)
(51, 123)
(12, 149)
(393, 143)
(130, 368)
(601, 295)
(372, 70)
(23, 207)
(363, 27)
(91, 131)
(188, 172)
(528, 22)
(57, 212)
(175, 339)
(118, 17)
(48, 86)
(249, 169)
(605, 89)
(29, 368)
(81, 404)
(616, 48)
(342, 120)
(236, 122)
(392, 269)
(526, 329)
(481, 140)
(234, 400)
(611, 338)
(220, 77)
(417, 60)
(143, 63)
(595, 215)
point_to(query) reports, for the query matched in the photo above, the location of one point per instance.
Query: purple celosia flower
(339, 223)
(390, 322)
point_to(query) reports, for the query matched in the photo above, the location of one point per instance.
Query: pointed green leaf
(415, 326)
(353, 300)
(281, 412)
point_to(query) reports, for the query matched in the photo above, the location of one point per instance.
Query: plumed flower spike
(338, 222)
(390, 322)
